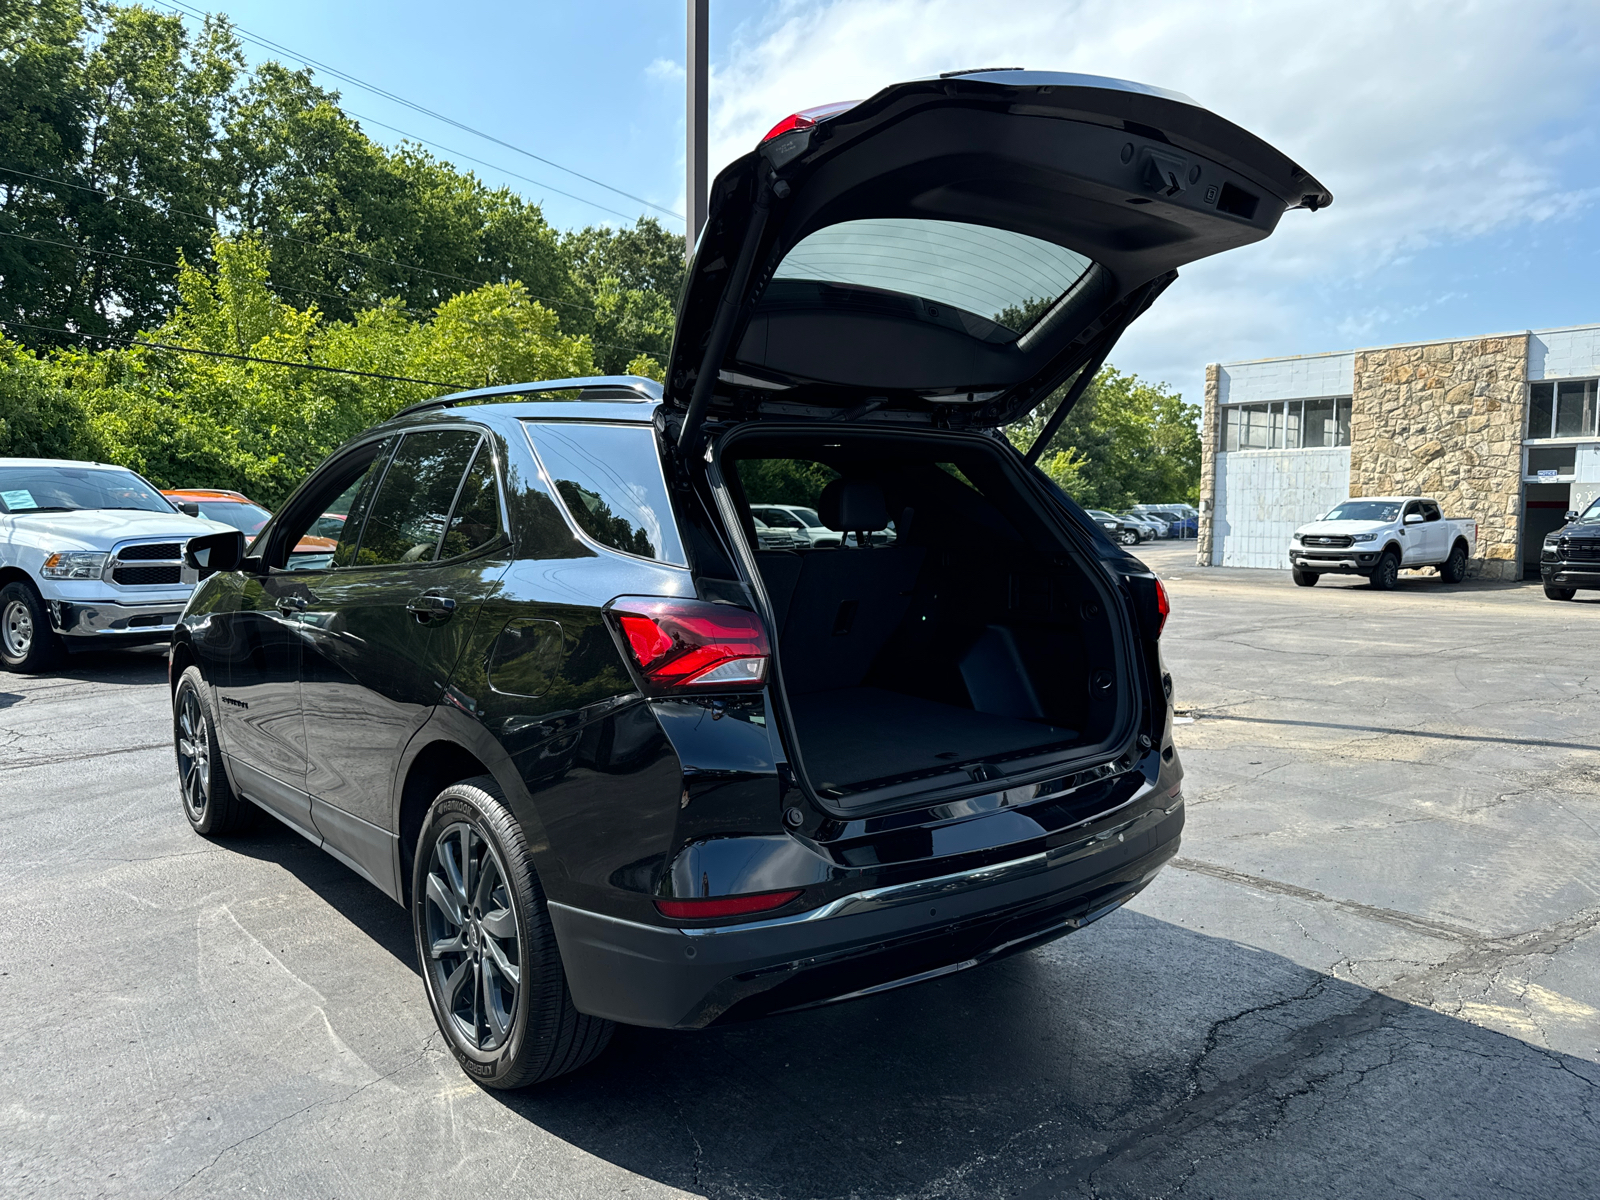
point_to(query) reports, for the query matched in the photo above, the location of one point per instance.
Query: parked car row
(1143, 524)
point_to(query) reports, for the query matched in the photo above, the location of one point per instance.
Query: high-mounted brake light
(1163, 607)
(807, 118)
(724, 906)
(691, 644)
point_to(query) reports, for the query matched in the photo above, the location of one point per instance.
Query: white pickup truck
(1376, 536)
(90, 554)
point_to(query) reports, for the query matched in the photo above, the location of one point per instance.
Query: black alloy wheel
(1305, 578)
(27, 641)
(1559, 593)
(490, 964)
(208, 799)
(1454, 568)
(1386, 575)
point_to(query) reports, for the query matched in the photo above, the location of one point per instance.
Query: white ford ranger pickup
(1377, 536)
(90, 554)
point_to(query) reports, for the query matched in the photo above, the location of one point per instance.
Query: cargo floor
(853, 736)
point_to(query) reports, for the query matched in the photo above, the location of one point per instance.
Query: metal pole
(695, 126)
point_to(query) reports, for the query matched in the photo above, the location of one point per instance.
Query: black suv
(1570, 557)
(624, 764)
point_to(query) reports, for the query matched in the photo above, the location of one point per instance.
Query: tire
(28, 643)
(1454, 568)
(214, 811)
(1559, 593)
(1306, 578)
(1386, 575)
(1128, 537)
(479, 914)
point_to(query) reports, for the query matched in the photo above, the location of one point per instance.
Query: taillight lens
(807, 118)
(1163, 607)
(691, 644)
(724, 906)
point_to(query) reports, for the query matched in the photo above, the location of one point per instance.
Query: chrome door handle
(289, 605)
(429, 607)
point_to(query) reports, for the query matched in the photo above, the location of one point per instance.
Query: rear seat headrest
(853, 506)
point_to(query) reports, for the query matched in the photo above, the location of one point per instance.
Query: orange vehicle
(244, 514)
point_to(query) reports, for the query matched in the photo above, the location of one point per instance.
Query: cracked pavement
(1374, 970)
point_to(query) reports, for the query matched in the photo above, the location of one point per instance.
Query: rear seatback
(844, 606)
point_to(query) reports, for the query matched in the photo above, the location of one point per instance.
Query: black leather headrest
(853, 505)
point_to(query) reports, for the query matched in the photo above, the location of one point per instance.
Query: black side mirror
(188, 508)
(1570, 515)
(215, 552)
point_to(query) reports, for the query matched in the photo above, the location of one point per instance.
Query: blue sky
(1459, 139)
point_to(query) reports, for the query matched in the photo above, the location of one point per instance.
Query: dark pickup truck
(1571, 556)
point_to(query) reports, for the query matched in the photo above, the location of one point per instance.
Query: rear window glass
(609, 478)
(1008, 278)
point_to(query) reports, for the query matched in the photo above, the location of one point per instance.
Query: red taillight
(692, 643)
(724, 906)
(1163, 607)
(807, 118)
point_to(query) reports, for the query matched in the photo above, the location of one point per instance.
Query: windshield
(246, 517)
(1365, 510)
(1592, 513)
(67, 489)
(1008, 278)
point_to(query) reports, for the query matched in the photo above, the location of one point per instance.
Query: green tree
(1125, 442)
(629, 280)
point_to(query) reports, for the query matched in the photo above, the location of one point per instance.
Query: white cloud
(1432, 123)
(665, 70)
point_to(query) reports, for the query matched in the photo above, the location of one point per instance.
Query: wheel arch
(1394, 546)
(179, 659)
(449, 748)
(18, 575)
(1461, 541)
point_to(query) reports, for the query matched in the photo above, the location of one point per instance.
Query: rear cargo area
(952, 637)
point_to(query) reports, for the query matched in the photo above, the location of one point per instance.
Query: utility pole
(698, 87)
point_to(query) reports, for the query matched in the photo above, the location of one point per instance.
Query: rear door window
(476, 520)
(413, 504)
(609, 478)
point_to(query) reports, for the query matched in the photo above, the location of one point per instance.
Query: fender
(449, 724)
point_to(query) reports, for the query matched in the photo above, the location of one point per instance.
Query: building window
(1286, 424)
(1566, 408)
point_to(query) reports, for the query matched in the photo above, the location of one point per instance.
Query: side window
(1413, 507)
(342, 519)
(408, 516)
(326, 517)
(476, 519)
(1430, 510)
(609, 477)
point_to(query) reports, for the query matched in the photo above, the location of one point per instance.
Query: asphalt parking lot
(1373, 972)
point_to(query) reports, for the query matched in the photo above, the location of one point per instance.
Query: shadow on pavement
(1135, 1058)
(1138, 1052)
(138, 665)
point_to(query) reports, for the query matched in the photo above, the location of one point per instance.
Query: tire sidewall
(455, 804)
(45, 648)
(1387, 573)
(192, 681)
(1455, 567)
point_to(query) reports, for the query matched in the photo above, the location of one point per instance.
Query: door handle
(428, 607)
(290, 605)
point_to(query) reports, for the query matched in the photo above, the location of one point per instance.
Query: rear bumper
(861, 943)
(111, 623)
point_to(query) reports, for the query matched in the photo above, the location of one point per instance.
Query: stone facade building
(1503, 429)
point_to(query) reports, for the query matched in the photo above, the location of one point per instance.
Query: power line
(275, 362)
(280, 286)
(482, 162)
(268, 44)
(118, 198)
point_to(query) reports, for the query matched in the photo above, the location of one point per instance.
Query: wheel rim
(194, 755)
(474, 959)
(16, 629)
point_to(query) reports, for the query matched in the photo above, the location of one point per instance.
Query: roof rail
(590, 387)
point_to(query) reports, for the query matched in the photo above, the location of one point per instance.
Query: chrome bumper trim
(77, 618)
